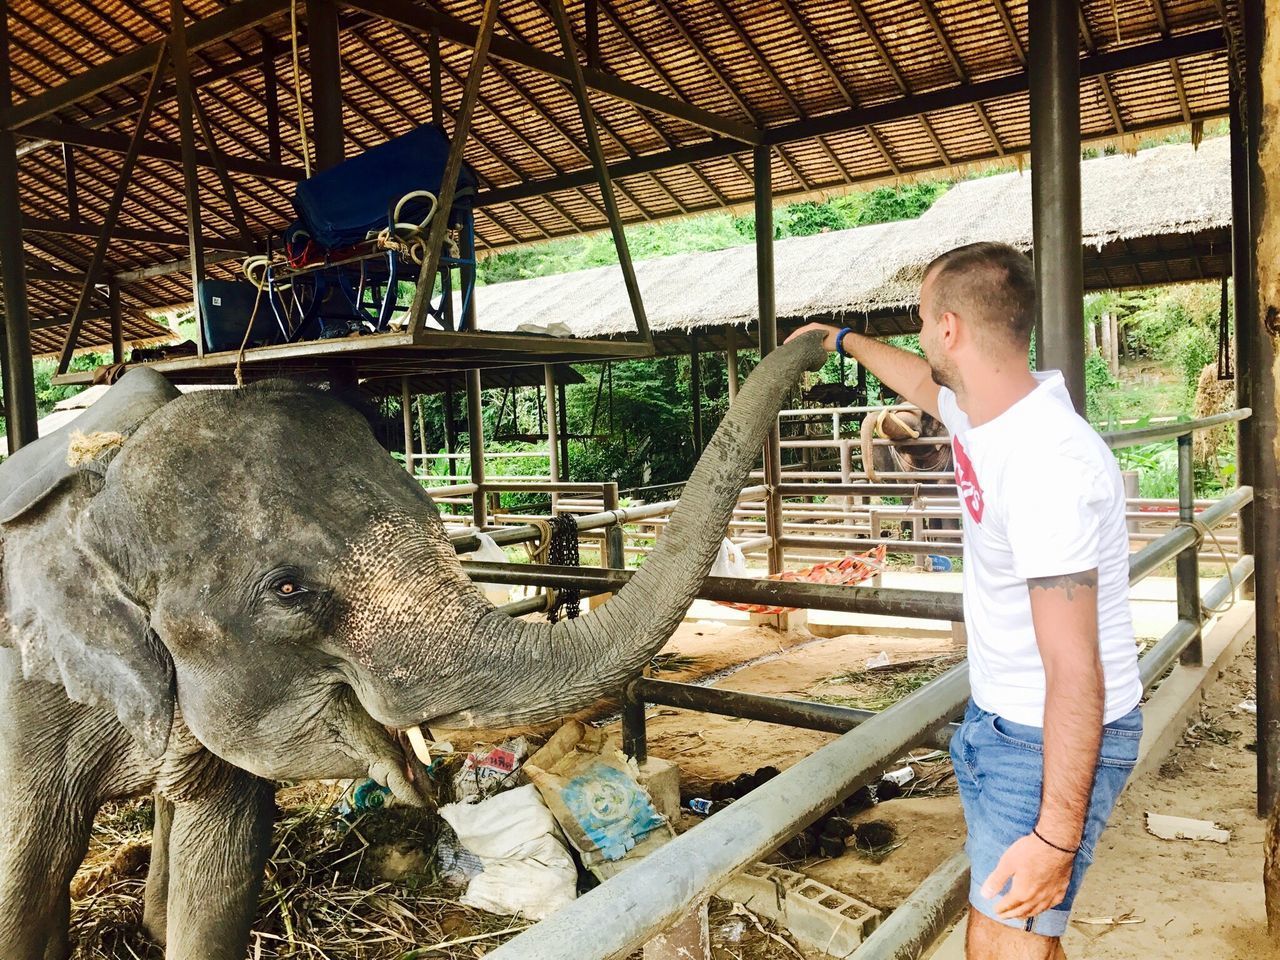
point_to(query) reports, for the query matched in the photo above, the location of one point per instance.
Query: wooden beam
(190, 174)
(113, 214)
(85, 228)
(52, 131)
(69, 174)
(325, 65)
(459, 31)
(234, 19)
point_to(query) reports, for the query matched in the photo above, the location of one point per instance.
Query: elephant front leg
(42, 842)
(217, 850)
(155, 911)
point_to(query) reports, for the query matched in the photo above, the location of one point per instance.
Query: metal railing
(622, 914)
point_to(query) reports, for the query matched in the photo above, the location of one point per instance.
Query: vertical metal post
(326, 82)
(117, 322)
(695, 394)
(20, 388)
(635, 738)
(69, 174)
(190, 172)
(468, 272)
(731, 362)
(1188, 561)
(475, 430)
(8, 392)
(450, 439)
(563, 408)
(1242, 289)
(271, 97)
(768, 342)
(406, 411)
(1054, 64)
(553, 440)
(615, 554)
(1263, 329)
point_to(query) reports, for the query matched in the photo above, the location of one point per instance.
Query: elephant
(205, 593)
(902, 423)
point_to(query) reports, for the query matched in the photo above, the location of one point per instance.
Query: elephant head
(252, 562)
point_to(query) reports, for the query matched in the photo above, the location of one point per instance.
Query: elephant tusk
(421, 748)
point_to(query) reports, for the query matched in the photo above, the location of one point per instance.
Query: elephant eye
(286, 585)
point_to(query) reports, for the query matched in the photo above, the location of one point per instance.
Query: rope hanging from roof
(297, 89)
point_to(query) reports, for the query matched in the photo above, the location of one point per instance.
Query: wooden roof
(849, 91)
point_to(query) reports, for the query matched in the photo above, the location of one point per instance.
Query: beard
(944, 376)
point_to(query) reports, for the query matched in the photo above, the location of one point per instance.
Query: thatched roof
(847, 93)
(1163, 198)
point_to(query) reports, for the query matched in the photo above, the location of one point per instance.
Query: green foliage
(47, 394)
(1098, 382)
(713, 231)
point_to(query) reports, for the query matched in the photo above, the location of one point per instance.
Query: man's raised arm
(907, 374)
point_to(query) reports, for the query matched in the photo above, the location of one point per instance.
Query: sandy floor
(1196, 899)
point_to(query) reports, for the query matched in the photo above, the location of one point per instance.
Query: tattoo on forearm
(1067, 582)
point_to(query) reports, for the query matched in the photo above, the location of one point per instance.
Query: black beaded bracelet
(1054, 845)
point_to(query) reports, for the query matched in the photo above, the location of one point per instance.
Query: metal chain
(563, 552)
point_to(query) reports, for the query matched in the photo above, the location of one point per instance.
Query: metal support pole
(601, 168)
(19, 387)
(635, 738)
(7, 392)
(450, 438)
(563, 410)
(468, 272)
(1054, 65)
(406, 411)
(326, 82)
(1242, 289)
(190, 171)
(117, 325)
(1188, 562)
(1262, 100)
(695, 394)
(768, 342)
(731, 362)
(452, 168)
(475, 429)
(553, 436)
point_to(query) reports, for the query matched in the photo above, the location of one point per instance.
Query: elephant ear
(67, 607)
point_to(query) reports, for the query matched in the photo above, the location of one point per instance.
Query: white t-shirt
(1041, 496)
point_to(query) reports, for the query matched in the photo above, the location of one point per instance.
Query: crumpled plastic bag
(490, 552)
(527, 869)
(729, 561)
(488, 770)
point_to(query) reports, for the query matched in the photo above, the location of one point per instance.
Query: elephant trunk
(520, 672)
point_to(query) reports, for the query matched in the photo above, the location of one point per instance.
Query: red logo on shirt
(967, 481)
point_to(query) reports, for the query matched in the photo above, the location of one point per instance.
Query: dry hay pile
(370, 892)
(1212, 396)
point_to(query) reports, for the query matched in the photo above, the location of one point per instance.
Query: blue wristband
(840, 342)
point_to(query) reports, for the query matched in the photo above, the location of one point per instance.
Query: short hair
(989, 282)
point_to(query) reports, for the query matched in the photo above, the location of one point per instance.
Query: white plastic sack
(729, 561)
(527, 870)
(490, 552)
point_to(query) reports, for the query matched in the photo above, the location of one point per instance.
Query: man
(1051, 733)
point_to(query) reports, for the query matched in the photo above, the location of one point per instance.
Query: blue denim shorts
(1000, 770)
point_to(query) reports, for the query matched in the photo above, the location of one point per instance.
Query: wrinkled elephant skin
(207, 592)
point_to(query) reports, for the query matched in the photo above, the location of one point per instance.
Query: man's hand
(828, 340)
(1040, 877)
(907, 374)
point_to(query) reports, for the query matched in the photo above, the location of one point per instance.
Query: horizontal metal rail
(1119, 439)
(805, 714)
(617, 917)
(833, 489)
(879, 601)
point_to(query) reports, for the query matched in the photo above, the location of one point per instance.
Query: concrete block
(661, 780)
(819, 916)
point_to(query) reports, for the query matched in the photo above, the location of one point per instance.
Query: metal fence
(622, 914)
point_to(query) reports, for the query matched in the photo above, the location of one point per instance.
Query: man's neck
(988, 392)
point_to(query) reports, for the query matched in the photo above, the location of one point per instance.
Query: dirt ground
(329, 894)
(1194, 898)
